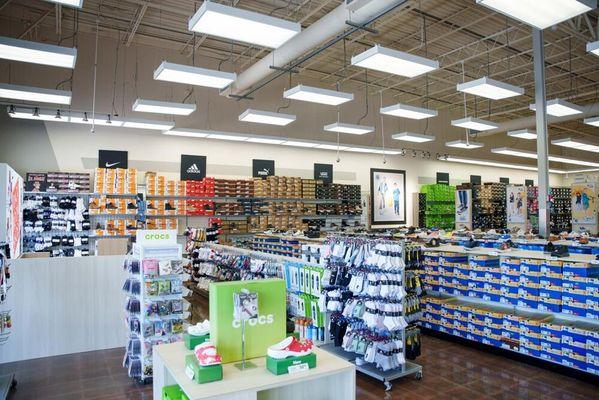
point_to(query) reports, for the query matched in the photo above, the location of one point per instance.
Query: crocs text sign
(156, 237)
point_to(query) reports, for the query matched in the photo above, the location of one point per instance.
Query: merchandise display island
(332, 378)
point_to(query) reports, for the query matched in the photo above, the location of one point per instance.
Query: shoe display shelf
(155, 308)
(406, 367)
(489, 206)
(440, 206)
(525, 301)
(560, 212)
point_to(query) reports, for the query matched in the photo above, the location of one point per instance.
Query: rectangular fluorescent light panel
(540, 14)
(462, 144)
(197, 76)
(406, 111)
(163, 107)
(266, 117)
(299, 144)
(476, 124)
(394, 62)
(488, 163)
(560, 108)
(331, 147)
(318, 95)
(530, 154)
(576, 144)
(594, 121)
(265, 140)
(225, 136)
(593, 47)
(38, 95)
(70, 3)
(490, 88)
(348, 128)
(186, 132)
(37, 53)
(413, 137)
(147, 124)
(242, 25)
(523, 134)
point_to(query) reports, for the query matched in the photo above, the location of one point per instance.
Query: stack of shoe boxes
(197, 191)
(576, 277)
(593, 298)
(592, 352)
(510, 280)
(234, 227)
(530, 335)
(309, 188)
(486, 270)
(68, 182)
(115, 181)
(550, 286)
(551, 342)
(510, 332)
(574, 347)
(431, 271)
(528, 291)
(240, 188)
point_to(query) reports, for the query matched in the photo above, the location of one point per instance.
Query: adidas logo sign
(193, 169)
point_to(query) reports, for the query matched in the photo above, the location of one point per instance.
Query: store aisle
(451, 371)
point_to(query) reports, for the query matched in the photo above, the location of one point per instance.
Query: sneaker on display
(290, 347)
(207, 355)
(199, 329)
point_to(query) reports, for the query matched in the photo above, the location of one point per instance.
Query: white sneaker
(199, 329)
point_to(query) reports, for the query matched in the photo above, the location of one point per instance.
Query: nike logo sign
(108, 165)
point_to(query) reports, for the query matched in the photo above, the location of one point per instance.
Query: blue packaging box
(575, 362)
(583, 270)
(576, 311)
(549, 307)
(551, 346)
(490, 341)
(531, 350)
(525, 291)
(491, 297)
(552, 294)
(592, 285)
(496, 287)
(551, 268)
(509, 300)
(573, 336)
(529, 279)
(510, 289)
(527, 265)
(528, 303)
(577, 284)
(573, 297)
(474, 337)
(555, 357)
(550, 281)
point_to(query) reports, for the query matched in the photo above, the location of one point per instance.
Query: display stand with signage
(584, 206)
(154, 306)
(463, 207)
(516, 207)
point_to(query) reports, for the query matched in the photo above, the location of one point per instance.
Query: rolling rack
(7, 381)
(408, 368)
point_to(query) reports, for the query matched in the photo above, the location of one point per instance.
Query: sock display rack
(374, 305)
(524, 301)
(154, 307)
(7, 381)
(439, 206)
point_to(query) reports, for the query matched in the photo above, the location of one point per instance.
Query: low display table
(333, 378)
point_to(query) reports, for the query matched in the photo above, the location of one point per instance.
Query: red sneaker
(207, 355)
(290, 347)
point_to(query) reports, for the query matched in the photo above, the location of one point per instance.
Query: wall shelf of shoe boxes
(243, 206)
(524, 301)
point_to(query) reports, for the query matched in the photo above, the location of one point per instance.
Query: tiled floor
(451, 371)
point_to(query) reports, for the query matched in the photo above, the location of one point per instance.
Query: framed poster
(463, 207)
(584, 203)
(516, 204)
(387, 196)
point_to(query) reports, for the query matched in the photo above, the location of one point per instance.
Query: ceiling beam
(135, 23)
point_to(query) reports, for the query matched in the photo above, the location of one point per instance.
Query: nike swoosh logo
(108, 165)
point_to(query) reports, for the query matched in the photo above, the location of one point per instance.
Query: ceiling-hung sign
(323, 172)
(113, 159)
(263, 168)
(193, 168)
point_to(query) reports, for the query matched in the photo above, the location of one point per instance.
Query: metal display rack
(407, 369)
(7, 381)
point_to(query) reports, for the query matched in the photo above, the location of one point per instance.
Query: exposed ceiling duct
(332, 24)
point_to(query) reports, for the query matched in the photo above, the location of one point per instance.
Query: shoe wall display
(56, 223)
(440, 206)
(561, 209)
(489, 206)
(155, 307)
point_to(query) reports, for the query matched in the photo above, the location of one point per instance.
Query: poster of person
(584, 203)
(463, 205)
(245, 305)
(387, 196)
(516, 204)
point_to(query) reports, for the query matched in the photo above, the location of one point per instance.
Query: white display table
(333, 378)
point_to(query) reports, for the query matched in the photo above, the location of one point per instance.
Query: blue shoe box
(573, 336)
(551, 268)
(550, 281)
(528, 303)
(573, 310)
(575, 284)
(526, 291)
(583, 270)
(546, 305)
(530, 349)
(474, 337)
(551, 355)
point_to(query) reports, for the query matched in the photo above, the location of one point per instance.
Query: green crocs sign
(261, 332)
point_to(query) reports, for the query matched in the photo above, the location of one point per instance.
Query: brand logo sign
(113, 159)
(323, 172)
(261, 320)
(156, 236)
(263, 168)
(193, 168)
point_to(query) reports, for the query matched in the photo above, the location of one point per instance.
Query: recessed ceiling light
(295, 143)
(163, 107)
(242, 25)
(531, 154)
(37, 53)
(592, 121)
(462, 144)
(266, 117)
(406, 111)
(560, 108)
(187, 132)
(38, 95)
(413, 137)
(318, 95)
(349, 128)
(540, 14)
(394, 62)
(331, 147)
(188, 75)
(70, 3)
(523, 134)
(139, 123)
(576, 144)
(490, 88)
(593, 47)
(265, 140)
(476, 124)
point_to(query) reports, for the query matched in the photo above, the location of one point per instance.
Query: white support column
(542, 132)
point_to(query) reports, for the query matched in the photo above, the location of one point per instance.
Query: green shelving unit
(440, 206)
